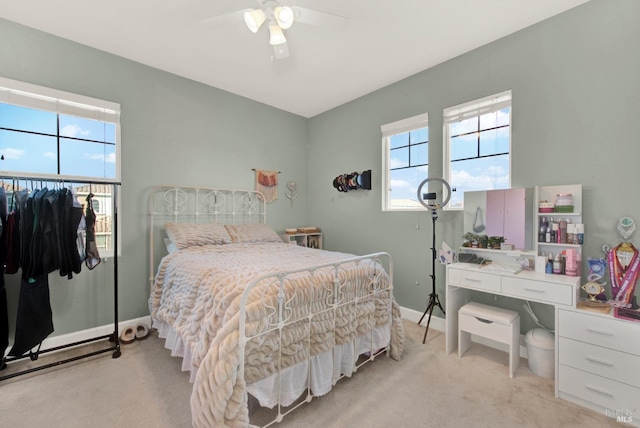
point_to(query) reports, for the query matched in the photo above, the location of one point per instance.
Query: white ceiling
(384, 41)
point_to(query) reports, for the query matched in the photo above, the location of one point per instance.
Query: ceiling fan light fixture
(276, 34)
(280, 51)
(254, 19)
(284, 16)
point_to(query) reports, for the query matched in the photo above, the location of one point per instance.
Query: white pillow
(255, 232)
(185, 235)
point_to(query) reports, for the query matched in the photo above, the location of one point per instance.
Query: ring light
(434, 300)
(436, 206)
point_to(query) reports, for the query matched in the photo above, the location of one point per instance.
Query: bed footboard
(326, 320)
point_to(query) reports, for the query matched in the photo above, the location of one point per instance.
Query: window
(405, 157)
(477, 146)
(46, 133)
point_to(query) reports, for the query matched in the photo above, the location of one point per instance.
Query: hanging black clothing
(48, 225)
(91, 248)
(4, 313)
(35, 320)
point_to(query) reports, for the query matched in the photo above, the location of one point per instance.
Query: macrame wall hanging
(267, 184)
(267, 181)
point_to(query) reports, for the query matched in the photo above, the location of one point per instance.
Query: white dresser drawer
(476, 280)
(547, 292)
(601, 392)
(599, 330)
(600, 361)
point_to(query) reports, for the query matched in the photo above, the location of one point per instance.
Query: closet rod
(114, 337)
(44, 178)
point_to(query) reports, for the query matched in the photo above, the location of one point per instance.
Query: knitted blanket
(198, 292)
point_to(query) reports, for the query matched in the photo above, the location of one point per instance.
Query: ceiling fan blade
(225, 19)
(320, 19)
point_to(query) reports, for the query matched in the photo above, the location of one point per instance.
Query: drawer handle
(601, 362)
(486, 321)
(599, 391)
(473, 280)
(534, 290)
(604, 333)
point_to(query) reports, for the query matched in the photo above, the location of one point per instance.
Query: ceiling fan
(279, 16)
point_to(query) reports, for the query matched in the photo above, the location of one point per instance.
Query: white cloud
(397, 163)
(110, 158)
(400, 184)
(49, 155)
(73, 131)
(13, 154)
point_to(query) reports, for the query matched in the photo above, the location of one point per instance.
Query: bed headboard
(183, 204)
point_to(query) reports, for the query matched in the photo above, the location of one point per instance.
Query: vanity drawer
(472, 279)
(546, 292)
(600, 361)
(601, 392)
(602, 331)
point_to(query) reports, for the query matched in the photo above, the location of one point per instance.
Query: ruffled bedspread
(197, 291)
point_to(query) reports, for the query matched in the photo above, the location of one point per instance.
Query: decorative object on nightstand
(593, 289)
(308, 236)
(624, 266)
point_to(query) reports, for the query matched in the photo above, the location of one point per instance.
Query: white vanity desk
(596, 356)
(556, 290)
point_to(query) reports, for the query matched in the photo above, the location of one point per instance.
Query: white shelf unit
(309, 240)
(549, 193)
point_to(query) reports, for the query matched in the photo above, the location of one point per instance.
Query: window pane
(28, 153)
(399, 158)
(494, 141)
(495, 119)
(479, 174)
(419, 136)
(420, 154)
(87, 129)
(399, 140)
(463, 147)
(27, 119)
(465, 126)
(404, 185)
(81, 158)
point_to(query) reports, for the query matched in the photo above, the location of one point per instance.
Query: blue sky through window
(86, 147)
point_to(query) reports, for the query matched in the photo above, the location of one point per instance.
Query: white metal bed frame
(180, 204)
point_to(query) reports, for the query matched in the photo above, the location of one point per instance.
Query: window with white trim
(50, 134)
(477, 146)
(405, 162)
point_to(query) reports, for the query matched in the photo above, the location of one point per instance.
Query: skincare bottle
(580, 233)
(562, 227)
(549, 267)
(557, 265)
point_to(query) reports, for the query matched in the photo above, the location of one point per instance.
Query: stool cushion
(491, 313)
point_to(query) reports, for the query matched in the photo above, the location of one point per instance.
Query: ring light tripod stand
(427, 200)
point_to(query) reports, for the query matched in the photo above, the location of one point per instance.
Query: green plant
(494, 242)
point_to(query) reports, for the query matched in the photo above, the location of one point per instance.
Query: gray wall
(576, 96)
(576, 101)
(173, 131)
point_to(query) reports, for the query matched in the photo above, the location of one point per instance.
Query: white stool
(501, 325)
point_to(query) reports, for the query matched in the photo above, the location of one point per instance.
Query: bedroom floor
(145, 388)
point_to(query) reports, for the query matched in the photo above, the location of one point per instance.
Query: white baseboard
(438, 323)
(77, 336)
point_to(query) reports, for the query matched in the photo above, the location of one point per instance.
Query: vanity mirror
(506, 213)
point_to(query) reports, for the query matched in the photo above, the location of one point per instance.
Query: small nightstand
(309, 240)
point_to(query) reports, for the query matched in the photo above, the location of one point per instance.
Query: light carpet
(146, 388)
